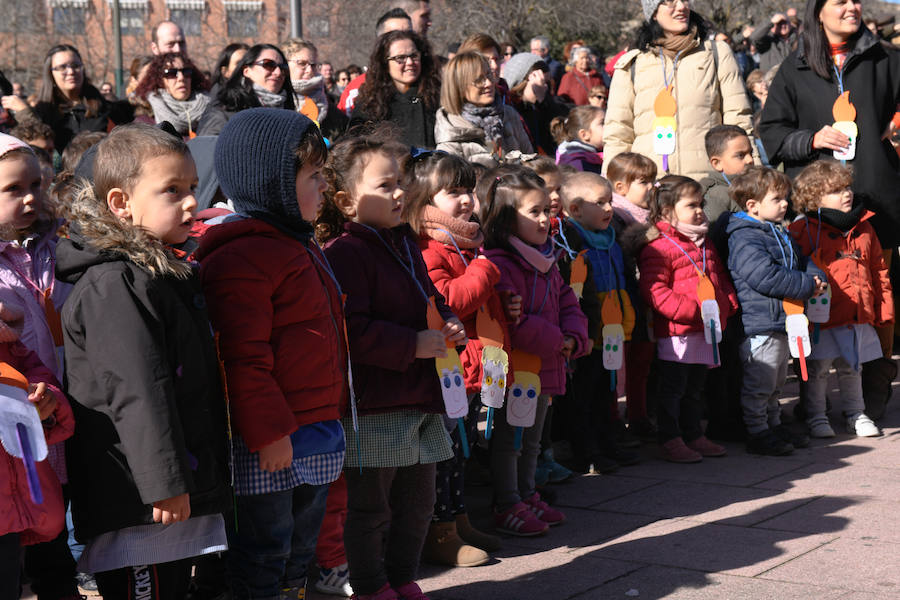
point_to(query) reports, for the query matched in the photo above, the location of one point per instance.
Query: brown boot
(479, 539)
(443, 546)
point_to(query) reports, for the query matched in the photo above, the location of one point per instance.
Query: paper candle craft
(521, 406)
(664, 125)
(818, 308)
(845, 121)
(613, 335)
(709, 312)
(21, 432)
(449, 370)
(797, 326)
(578, 274)
(494, 365)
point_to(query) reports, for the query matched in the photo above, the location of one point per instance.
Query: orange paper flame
(579, 269)
(524, 362)
(843, 109)
(490, 333)
(610, 311)
(10, 376)
(705, 290)
(435, 320)
(665, 105)
(793, 306)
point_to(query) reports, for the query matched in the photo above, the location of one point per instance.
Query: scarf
(672, 45)
(314, 89)
(843, 221)
(267, 98)
(575, 146)
(839, 53)
(600, 240)
(445, 229)
(628, 212)
(489, 118)
(184, 115)
(532, 255)
(695, 233)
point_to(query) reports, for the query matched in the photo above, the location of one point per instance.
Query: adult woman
(226, 64)
(261, 78)
(530, 95)
(488, 47)
(576, 85)
(402, 87)
(175, 88)
(472, 121)
(757, 90)
(309, 89)
(672, 49)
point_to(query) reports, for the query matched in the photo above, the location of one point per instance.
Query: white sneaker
(820, 428)
(335, 581)
(862, 426)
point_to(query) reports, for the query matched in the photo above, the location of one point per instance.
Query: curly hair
(375, 94)
(818, 179)
(154, 79)
(667, 192)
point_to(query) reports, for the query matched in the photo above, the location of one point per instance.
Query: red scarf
(839, 54)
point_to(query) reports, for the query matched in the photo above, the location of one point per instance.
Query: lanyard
(683, 251)
(407, 265)
(818, 230)
(839, 74)
(453, 241)
(326, 266)
(779, 239)
(674, 67)
(565, 242)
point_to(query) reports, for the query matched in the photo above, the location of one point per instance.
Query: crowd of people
(269, 317)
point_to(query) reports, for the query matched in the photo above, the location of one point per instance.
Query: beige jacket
(453, 134)
(702, 102)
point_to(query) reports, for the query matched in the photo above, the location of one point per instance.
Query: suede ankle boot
(443, 546)
(474, 537)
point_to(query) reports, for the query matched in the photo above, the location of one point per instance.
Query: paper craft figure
(613, 335)
(797, 326)
(21, 432)
(494, 365)
(709, 312)
(664, 125)
(818, 308)
(521, 406)
(578, 274)
(845, 121)
(449, 370)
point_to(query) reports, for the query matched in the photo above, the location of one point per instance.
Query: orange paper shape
(611, 311)
(793, 306)
(843, 109)
(435, 320)
(664, 105)
(578, 274)
(490, 333)
(705, 290)
(9, 375)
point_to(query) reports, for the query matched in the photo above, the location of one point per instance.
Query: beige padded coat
(703, 102)
(453, 134)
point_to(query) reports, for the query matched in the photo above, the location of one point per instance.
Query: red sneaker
(411, 591)
(519, 520)
(706, 447)
(675, 451)
(542, 510)
(385, 593)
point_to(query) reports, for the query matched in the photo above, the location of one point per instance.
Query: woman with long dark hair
(227, 62)
(403, 87)
(175, 89)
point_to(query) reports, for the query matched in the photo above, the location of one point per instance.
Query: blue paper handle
(463, 439)
(34, 484)
(517, 439)
(612, 381)
(715, 343)
(489, 426)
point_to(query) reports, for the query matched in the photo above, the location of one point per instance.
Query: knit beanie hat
(518, 67)
(650, 7)
(255, 162)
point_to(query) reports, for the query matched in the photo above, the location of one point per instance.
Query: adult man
(168, 37)
(540, 46)
(419, 12)
(773, 41)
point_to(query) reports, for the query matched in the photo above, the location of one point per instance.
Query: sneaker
(706, 447)
(386, 592)
(794, 438)
(820, 428)
(862, 426)
(768, 443)
(557, 472)
(519, 520)
(86, 582)
(623, 457)
(335, 581)
(411, 591)
(296, 592)
(542, 510)
(601, 464)
(541, 472)
(675, 451)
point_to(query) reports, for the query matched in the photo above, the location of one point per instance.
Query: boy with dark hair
(729, 151)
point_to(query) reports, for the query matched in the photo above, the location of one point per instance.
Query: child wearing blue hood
(766, 268)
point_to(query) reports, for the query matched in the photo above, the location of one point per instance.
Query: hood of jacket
(234, 226)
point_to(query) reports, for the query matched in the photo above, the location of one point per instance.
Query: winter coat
(575, 86)
(67, 122)
(455, 135)
(537, 118)
(669, 281)
(550, 311)
(772, 49)
(707, 94)
(766, 268)
(857, 275)
(465, 289)
(18, 514)
(385, 309)
(716, 198)
(408, 113)
(143, 379)
(580, 156)
(800, 104)
(280, 323)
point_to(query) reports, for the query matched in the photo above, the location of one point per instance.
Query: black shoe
(623, 437)
(624, 457)
(722, 431)
(786, 434)
(86, 582)
(768, 444)
(644, 429)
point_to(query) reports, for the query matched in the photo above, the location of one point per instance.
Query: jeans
(765, 361)
(275, 540)
(513, 470)
(680, 400)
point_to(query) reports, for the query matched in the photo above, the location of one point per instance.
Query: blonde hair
(462, 71)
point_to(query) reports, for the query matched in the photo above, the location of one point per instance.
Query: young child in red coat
(672, 265)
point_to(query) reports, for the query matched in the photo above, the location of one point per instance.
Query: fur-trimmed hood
(636, 236)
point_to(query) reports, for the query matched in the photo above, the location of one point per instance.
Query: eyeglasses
(483, 81)
(270, 65)
(172, 73)
(508, 53)
(302, 64)
(76, 67)
(401, 59)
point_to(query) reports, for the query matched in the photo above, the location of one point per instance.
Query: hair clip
(422, 153)
(656, 184)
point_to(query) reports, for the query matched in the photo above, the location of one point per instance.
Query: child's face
(737, 155)
(533, 218)
(162, 199)
(21, 197)
(377, 199)
(458, 202)
(771, 208)
(841, 200)
(688, 210)
(595, 211)
(638, 192)
(310, 185)
(594, 135)
(552, 181)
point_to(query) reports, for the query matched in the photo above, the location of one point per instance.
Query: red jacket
(281, 329)
(576, 86)
(465, 289)
(18, 514)
(854, 263)
(669, 282)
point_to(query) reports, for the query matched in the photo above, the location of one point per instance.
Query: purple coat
(384, 311)
(550, 311)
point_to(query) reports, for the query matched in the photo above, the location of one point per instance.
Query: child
(390, 481)
(550, 173)
(580, 138)
(631, 176)
(277, 310)
(837, 235)
(439, 207)
(516, 218)
(766, 268)
(672, 265)
(729, 150)
(587, 198)
(148, 461)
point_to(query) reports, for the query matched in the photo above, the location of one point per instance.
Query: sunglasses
(172, 73)
(76, 67)
(270, 65)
